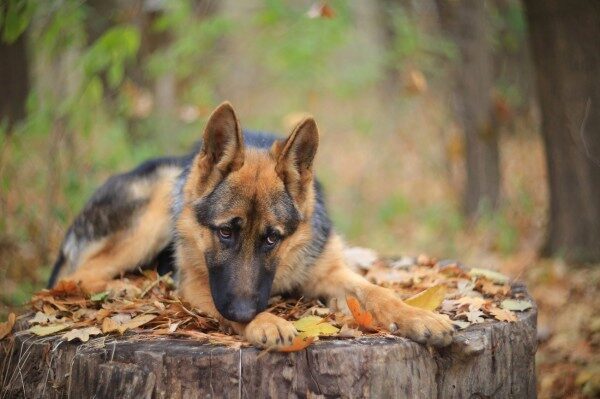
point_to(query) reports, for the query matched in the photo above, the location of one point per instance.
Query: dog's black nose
(242, 311)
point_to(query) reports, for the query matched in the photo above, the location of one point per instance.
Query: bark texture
(466, 22)
(14, 80)
(492, 360)
(565, 43)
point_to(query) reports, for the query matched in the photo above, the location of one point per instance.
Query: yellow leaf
(82, 334)
(313, 326)
(42, 331)
(7, 326)
(429, 299)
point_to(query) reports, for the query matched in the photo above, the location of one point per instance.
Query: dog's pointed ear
(223, 145)
(295, 158)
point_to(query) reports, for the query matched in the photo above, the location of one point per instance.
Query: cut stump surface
(489, 360)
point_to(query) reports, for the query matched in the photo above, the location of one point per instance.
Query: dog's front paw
(268, 330)
(417, 324)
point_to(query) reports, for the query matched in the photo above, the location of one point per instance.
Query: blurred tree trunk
(565, 41)
(467, 23)
(14, 80)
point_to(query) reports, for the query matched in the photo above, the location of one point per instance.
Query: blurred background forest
(462, 129)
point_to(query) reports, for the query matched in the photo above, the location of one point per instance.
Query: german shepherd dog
(241, 218)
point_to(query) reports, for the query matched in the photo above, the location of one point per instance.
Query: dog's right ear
(223, 146)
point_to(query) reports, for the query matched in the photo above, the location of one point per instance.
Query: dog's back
(138, 207)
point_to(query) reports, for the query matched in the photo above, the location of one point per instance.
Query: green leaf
(518, 305)
(99, 297)
(489, 274)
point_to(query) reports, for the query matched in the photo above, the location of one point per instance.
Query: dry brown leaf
(490, 288)
(473, 315)
(137, 322)
(348, 332)
(503, 314)
(40, 318)
(7, 326)
(82, 334)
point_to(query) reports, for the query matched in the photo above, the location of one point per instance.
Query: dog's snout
(242, 311)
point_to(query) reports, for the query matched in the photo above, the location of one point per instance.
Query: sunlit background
(112, 83)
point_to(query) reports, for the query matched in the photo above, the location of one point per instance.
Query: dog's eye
(272, 239)
(225, 232)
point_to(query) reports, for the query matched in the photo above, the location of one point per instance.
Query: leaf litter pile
(147, 306)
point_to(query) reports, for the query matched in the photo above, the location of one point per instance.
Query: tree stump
(489, 360)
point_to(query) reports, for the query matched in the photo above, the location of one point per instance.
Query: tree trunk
(565, 41)
(467, 23)
(14, 80)
(490, 360)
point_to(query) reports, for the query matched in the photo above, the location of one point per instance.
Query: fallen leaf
(474, 316)
(362, 317)
(348, 332)
(65, 287)
(109, 325)
(49, 310)
(320, 11)
(489, 287)
(7, 326)
(503, 314)
(82, 334)
(39, 318)
(489, 274)
(42, 331)
(313, 326)
(430, 299)
(173, 327)
(473, 302)
(460, 324)
(297, 344)
(137, 322)
(518, 305)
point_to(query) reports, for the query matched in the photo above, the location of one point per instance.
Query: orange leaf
(65, 287)
(362, 317)
(297, 344)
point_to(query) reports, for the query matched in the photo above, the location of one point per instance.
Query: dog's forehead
(253, 193)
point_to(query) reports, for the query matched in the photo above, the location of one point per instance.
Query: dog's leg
(125, 250)
(331, 278)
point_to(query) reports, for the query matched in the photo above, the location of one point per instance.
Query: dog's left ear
(295, 158)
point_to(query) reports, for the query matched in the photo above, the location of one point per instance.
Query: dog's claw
(268, 330)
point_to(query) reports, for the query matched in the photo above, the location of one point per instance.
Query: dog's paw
(268, 330)
(420, 325)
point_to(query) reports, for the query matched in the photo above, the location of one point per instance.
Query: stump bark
(490, 360)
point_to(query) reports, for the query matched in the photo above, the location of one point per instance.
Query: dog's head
(251, 207)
